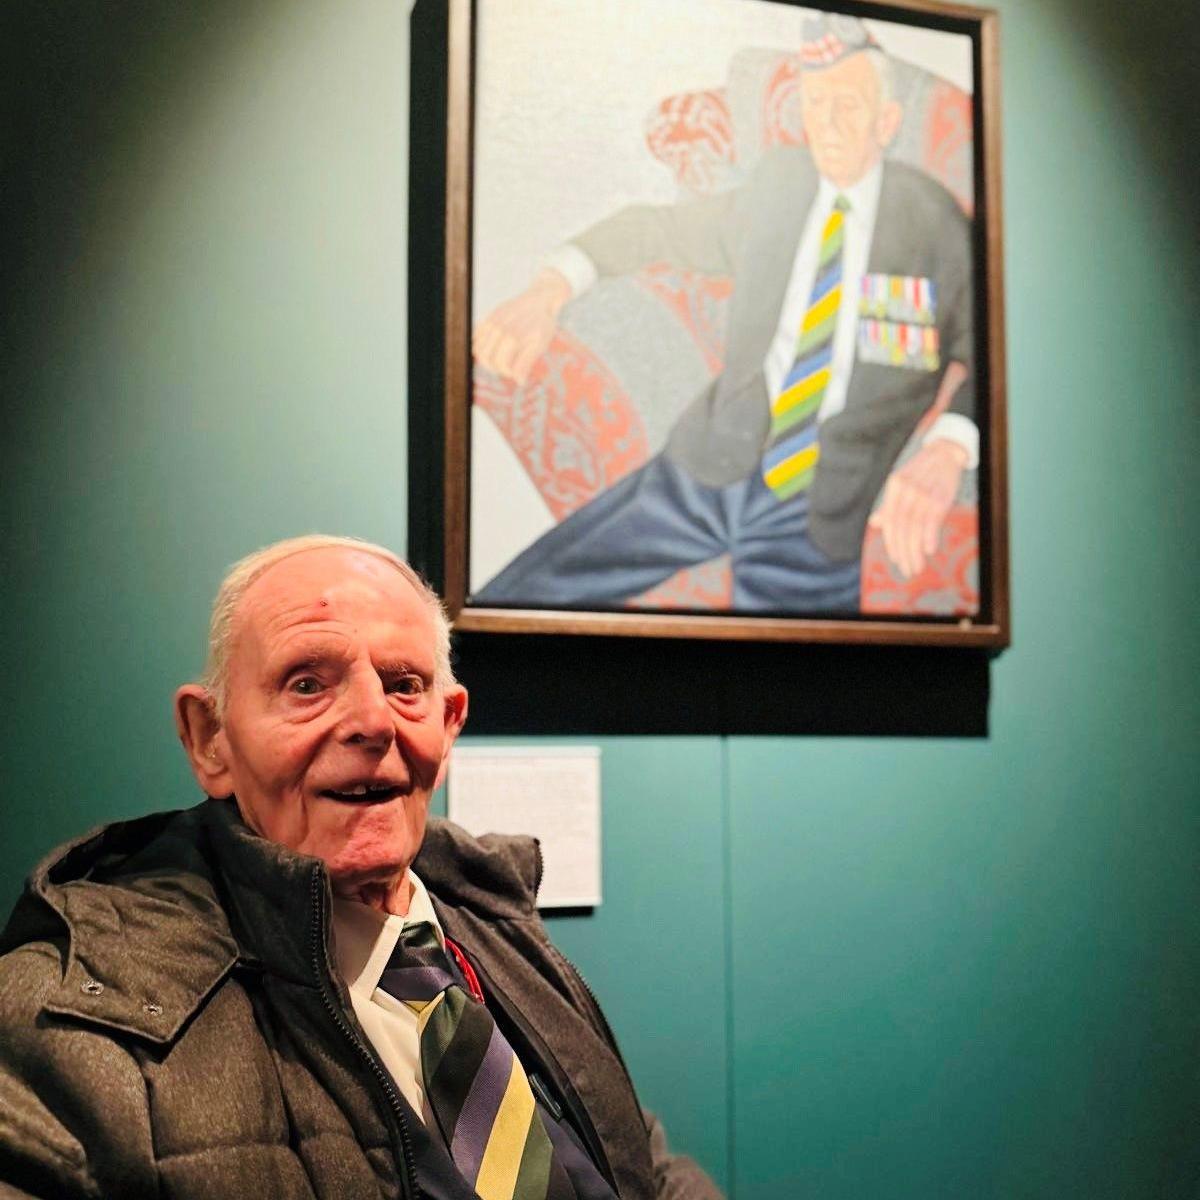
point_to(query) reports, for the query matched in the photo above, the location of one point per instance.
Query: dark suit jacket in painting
(751, 234)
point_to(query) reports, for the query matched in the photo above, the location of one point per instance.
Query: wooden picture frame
(452, 126)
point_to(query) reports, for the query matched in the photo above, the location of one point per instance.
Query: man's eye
(306, 685)
(406, 685)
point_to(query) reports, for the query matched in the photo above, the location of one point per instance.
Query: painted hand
(515, 334)
(916, 499)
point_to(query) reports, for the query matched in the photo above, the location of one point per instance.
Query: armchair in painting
(631, 351)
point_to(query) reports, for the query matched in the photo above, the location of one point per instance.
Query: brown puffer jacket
(170, 1024)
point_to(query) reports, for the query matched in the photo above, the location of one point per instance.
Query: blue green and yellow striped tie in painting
(792, 449)
(476, 1090)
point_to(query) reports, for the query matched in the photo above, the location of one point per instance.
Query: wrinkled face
(335, 734)
(845, 120)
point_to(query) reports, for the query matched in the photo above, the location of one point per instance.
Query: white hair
(883, 72)
(246, 570)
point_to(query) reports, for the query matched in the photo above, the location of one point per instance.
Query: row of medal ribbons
(898, 344)
(898, 298)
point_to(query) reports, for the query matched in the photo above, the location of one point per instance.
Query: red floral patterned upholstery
(572, 425)
(708, 586)
(692, 135)
(947, 586)
(948, 142)
(781, 105)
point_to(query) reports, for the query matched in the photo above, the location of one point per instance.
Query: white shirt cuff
(574, 266)
(960, 430)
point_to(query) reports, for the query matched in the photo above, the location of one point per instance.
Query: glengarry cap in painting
(827, 38)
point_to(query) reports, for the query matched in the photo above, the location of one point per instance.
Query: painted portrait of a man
(820, 460)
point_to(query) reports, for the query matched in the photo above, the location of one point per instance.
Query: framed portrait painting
(707, 319)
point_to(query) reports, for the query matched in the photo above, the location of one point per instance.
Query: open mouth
(363, 793)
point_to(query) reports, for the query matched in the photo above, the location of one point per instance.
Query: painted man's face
(846, 120)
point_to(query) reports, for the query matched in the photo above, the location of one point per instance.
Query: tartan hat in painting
(830, 37)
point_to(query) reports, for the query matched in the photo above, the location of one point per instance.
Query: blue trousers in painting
(658, 519)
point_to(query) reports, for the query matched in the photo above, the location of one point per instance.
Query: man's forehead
(315, 584)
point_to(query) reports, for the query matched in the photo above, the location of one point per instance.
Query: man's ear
(199, 731)
(455, 700)
(887, 124)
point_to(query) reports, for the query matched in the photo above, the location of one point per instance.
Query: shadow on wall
(641, 686)
(81, 84)
(1149, 56)
(195, 258)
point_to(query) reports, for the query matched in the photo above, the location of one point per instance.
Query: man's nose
(368, 717)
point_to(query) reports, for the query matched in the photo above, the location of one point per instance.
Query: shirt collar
(364, 937)
(863, 195)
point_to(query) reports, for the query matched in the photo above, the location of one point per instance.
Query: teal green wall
(840, 967)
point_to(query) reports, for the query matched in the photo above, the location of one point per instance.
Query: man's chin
(385, 887)
(372, 844)
(838, 168)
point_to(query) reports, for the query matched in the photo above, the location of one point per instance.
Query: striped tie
(792, 448)
(475, 1087)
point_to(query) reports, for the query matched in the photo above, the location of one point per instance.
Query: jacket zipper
(540, 868)
(321, 969)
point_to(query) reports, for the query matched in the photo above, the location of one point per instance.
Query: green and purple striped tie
(476, 1090)
(792, 450)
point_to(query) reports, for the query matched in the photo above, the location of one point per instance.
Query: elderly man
(850, 324)
(298, 988)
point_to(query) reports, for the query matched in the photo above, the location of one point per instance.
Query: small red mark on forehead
(323, 603)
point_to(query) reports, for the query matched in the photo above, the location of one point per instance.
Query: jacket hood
(135, 910)
(153, 913)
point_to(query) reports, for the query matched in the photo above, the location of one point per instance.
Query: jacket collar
(496, 876)
(276, 901)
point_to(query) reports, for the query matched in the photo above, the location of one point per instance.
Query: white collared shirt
(859, 229)
(363, 941)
